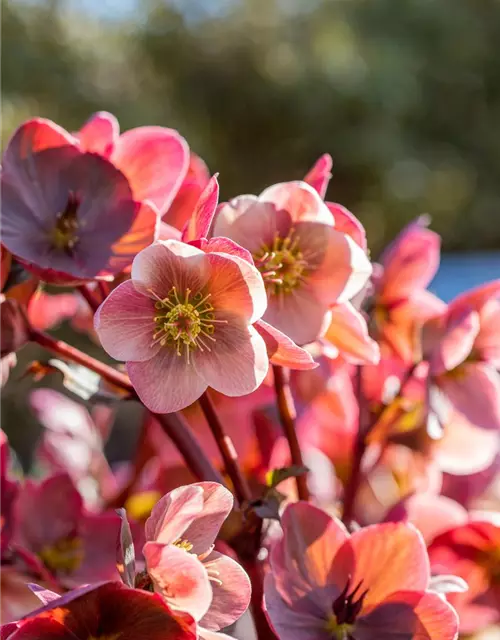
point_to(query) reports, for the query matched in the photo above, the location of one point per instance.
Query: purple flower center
(345, 609)
(282, 265)
(184, 323)
(65, 233)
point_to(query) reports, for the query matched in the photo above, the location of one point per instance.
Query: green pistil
(184, 323)
(282, 265)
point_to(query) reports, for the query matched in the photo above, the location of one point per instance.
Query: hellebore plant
(393, 402)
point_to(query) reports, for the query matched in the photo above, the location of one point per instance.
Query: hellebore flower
(102, 612)
(184, 322)
(472, 552)
(57, 199)
(463, 348)
(372, 585)
(197, 178)
(182, 564)
(307, 265)
(69, 545)
(154, 160)
(400, 300)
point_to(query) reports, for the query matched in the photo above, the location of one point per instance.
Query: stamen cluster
(282, 265)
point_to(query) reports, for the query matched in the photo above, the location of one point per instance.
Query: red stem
(174, 425)
(227, 450)
(90, 297)
(65, 350)
(286, 409)
(254, 570)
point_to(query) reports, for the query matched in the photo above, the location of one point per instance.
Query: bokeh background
(404, 94)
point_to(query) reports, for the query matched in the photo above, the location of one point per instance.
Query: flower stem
(65, 350)
(254, 570)
(227, 450)
(174, 425)
(286, 409)
(89, 296)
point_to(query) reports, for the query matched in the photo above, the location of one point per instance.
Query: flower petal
(179, 577)
(125, 324)
(217, 504)
(196, 179)
(155, 161)
(166, 382)
(385, 558)
(349, 333)
(474, 391)
(236, 286)
(99, 133)
(281, 350)
(301, 201)
(346, 222)
(174, 513)
(237, 362)
(231, 592)
(200, 221)
(319, 175)
(412, 615)
(169, 263)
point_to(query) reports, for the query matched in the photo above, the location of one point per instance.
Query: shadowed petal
(231, 592)
(125, 324)
(237, 362)
(155, 161)
(409, 615)
(166, 383)
(385, 558)
(180, 578)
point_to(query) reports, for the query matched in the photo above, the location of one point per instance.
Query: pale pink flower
(307, 265)
(184, 322)
(182, 563)
(371, 585)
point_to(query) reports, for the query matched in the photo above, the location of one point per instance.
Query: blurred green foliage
(405, 94)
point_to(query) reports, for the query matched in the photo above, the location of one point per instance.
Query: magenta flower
(57, 198)
(184, 322)
(307, 265)
(181, 561)
(68, 544)
(102, 611)
(371, 585)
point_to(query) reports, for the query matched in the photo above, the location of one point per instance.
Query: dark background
(405, 94)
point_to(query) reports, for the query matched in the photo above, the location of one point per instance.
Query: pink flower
(181, 561)
(400, 301)
(57, 198)
(472, 552)
(68, 544)
(196, 179)
(109, 610)
(371, 585)
(307, 265)
(184, 322)
(155, 160)
(462, 345)
(348, 336)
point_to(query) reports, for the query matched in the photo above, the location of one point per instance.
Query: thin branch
(174, 425)
(286, 409)
(65, 350)
(227, 450)
(90, 297)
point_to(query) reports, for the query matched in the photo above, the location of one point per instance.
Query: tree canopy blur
(404, 95)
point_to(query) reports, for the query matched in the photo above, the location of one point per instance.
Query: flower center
(345, 610)
(65, 556)
(282, 265)
(184, 323)
(64, 235)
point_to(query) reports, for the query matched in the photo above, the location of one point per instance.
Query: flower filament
(282, 265)
(184, 323)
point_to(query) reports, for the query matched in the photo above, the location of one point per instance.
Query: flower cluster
(318, 438)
